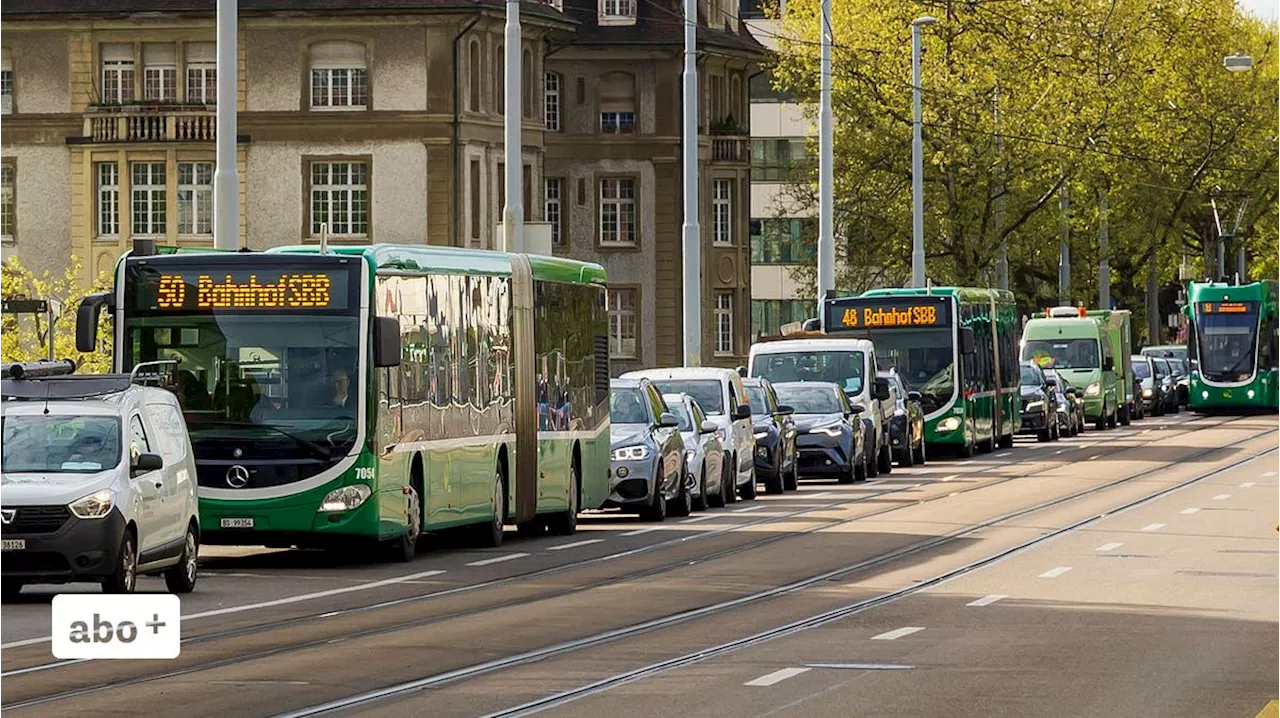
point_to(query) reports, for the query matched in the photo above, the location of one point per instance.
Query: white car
(723, 398)
(97, 483)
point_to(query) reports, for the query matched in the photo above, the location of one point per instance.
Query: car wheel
(701, 501)
(729, 480)
(682, 504)
(748, 490)
(657, 508)
(871, 451)
(181, 577)
(718, 499)
(859, 471)
(774, 484)
(792, 482)
(565, 523)
(124, 577)
(885, 459)
(1044, 435)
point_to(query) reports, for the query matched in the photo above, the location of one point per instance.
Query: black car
(829, 433)
(775, 432)
(1039, 404)
(1168, 381)
(906, 427)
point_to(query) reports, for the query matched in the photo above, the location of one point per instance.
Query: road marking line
(898, 633)
(696, 519)
(1189, 511)
(1091, 458)
(776, 677)
(820, 495)
(1007, 453)
(1109, 546)
(1055, 572)
(1085, 446)
(1153, 527)
(498, 559)
(1222, 497)
(1247, 485)
(1060, 451)
(575, 544)
(1270, 710)
(987, 600)
(861, 666)
(953, 476)
(637, 532)
(1269, 473)
(749, 508)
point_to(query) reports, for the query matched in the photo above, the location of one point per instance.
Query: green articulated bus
(1233, 338)
(376, 392)
(956, 346)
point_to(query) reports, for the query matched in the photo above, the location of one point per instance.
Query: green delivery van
(1078, 347)
(1117, 325)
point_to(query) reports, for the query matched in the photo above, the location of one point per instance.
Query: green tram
(376, 392)
(956, 346)
(1232, 341)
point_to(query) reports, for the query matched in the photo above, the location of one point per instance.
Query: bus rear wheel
(490, 533)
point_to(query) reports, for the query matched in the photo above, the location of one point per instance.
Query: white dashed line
(637, 532)
(1222, 497)
(987, 600)
(898, 633)
(776, 677)
(1060, 451)
(1247, 485)
(749, 508)
(1091, 458)
(1109, 547)
(949, 478)
(498, 559)
(696, 519)
(821, 495)
(1153, 527)
(1269, 473)
(575, 544)
(1007, 453)
(1189, 511)
(1085, 446)
(1055, 572)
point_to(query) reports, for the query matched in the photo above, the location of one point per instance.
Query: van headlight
(631, 453)
(345, 498)
(951, 423)
(95, 505)
(1093, 390)
(1146, 393)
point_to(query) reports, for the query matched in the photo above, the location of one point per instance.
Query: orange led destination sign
(878, 313)
(255, 289)
(1227, 307)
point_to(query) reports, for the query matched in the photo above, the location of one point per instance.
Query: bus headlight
(345, 498)
(1204, 395)
(1249, 393)
(1093, 390)
(951, 423)
(95, 505)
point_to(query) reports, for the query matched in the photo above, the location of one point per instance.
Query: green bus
(375, 392)
(1232, 342)
(956, 346)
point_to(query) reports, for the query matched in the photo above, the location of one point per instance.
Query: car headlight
(631, 453)
(95, 505)
(345, 498)
(1093, 390)
(1035, 406)
(762, 434)
(1147, 393)
(829, 429)
(951, 423)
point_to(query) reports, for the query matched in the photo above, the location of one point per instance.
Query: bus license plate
(13, 544)
(237, 523)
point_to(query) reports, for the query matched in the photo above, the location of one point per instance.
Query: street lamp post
(1238, 62)
(513, 213)
(226, 177)
(691, 230)
(826, 172)
(917, 158)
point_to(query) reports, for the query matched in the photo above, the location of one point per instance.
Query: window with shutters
(8, 201)
(6, 82)
(618, 212)
(202, 73)
(551, 101)
(117, 74)
(195, 198)
(148, 199)
(340, 198)
(617, 102)
(722, 211)
(724, 323)
(339, 76)
(159, 72)
(108, 176)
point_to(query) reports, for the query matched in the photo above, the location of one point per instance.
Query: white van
(724, 400)
(97, 482)
(848, 363)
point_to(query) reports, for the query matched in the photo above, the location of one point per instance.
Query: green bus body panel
(1040, 327)
(1265, 383)
(457, 479)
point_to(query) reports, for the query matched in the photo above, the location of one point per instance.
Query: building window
(148, 204)
(783, 240)
(474, 182)
(622, 323)
(474, 72)
(526, 85)
(618, 212)
(499, 88)
(6, 82)
(722, 211)
(617, 102)
(202, 73)
(618, 9)
(551, 101)
(724, 323)
(195, 198)
(8, 202)
(339, 76)
(159, 72)
(781, 160)
(117, 74)
(108, 199)
(552, 209)
(340, 198)
(769, 315)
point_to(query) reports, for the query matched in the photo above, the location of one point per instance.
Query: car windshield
(842, 368)
(626, 406)
(60, 444)
(1141, 370)
(755, 396)
(1030, 377)
(1062, 353)
(707, 392)
(810, 399)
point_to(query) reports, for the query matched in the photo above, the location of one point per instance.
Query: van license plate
(13, 544)
(237, 523)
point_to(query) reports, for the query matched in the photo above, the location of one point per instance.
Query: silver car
(647, 471)
(704, 453)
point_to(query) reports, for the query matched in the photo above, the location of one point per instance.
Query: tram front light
(1204, 395)
(346, 498)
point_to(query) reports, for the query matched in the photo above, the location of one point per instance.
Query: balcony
(730, 149)
(136, 124)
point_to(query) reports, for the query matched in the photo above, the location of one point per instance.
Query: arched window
(551, 101)
(499, 88)
(526, 84)
(474, 70)
(617, 102)
(339, 75)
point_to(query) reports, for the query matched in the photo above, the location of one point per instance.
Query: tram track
(656, 623)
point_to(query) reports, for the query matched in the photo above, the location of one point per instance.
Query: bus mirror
(967, 342)
(386, 342)
(87, 315)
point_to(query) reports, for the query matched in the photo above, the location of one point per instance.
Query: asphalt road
(1070, 578)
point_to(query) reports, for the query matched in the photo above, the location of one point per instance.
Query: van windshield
(60, 444)
(1141, 370)
(709, 393)
(842, 368)
(1062, 353)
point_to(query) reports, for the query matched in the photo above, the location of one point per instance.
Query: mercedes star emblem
(237, 477)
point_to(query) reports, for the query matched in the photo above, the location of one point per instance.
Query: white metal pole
(691, 229)
(826, 176)
(226, 177)
(917, 159)
(1104, 253)
(1002, 259)
(513, 212)
(1064, 248)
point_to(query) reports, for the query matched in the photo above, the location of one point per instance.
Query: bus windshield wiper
(315, 448)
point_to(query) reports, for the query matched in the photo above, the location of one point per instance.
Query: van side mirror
(708, 427)
(743, 412)
(668, 419)
(968, 344)
(87, 315)
(386, 341)
(882, 390)
(147, 462)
